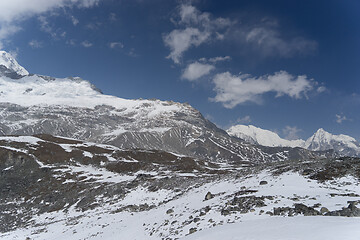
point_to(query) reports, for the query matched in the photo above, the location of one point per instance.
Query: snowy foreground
(177, 215)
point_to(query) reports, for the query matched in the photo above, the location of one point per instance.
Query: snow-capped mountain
(342, 144)
(10, 67)
(72, 107)
(263, 137)
(321, 140)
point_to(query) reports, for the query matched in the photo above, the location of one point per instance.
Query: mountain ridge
(321, 140)
(73, 107)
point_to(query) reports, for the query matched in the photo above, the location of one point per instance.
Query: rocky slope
(72, 107)
(320, 141)
(52, 186)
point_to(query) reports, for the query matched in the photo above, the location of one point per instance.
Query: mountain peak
(321, 131)
(11, 65)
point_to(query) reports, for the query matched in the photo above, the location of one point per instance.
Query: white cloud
(321, 89)
(291, 133)
(198, 28)
(196, 70)
(35, 44)
(232, 90)
(14, 11)
(340, 118)
(116, 45)
(181, 40)
(87, 44)
(189, 15)
(244, 120)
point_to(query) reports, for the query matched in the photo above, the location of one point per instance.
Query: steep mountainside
(321, 140)
(72, 107)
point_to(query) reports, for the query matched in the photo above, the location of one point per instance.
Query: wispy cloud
(94, 25)
(341, 118)
(116, 45)
(12, 13)
(291, 133)
(74, 20)
(196, 70)
(112, 17)
(232, 90)
(270, 42)
(264, 36)
(35, 44)
(244, 120)
(86, 44)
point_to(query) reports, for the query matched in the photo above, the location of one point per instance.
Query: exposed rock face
(183, 131)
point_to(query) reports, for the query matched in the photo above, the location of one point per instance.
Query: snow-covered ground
(282, 228)
(178, 214)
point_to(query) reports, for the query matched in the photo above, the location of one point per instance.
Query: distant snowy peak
(263, 137)
(320, 141)
(9, 62)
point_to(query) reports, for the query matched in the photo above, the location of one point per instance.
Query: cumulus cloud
(291, 133)
(232, 90)
(197, 28)
(14, 11)
(180, 41)
(196, 70)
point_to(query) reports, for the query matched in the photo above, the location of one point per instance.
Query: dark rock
(169, 211)
(324, 210)
(192, 230)
(209, 196)
(263, 182)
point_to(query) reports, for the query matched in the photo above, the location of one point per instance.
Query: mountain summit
(321, 140)
(10, 67)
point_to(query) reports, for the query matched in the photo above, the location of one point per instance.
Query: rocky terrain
(51, 185)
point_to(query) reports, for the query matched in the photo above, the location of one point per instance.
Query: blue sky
(287, 66)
